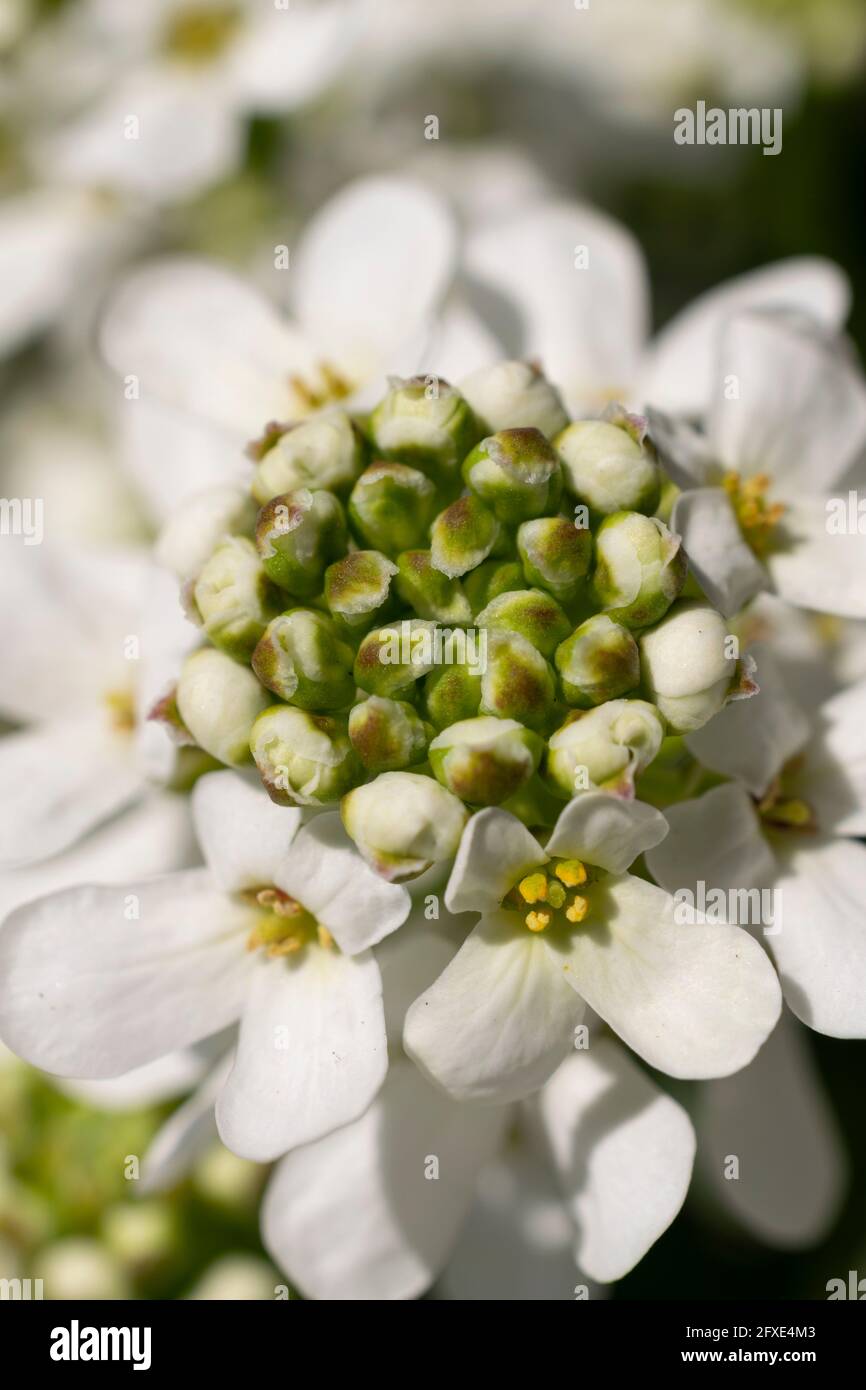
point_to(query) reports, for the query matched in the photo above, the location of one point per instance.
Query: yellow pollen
(792, 811)
(333, 387)
(199, 34)
(571, 872)
(121, 710)
(285, 926)
(537, 921)
(533, 888)
(757, 518)
(577, 908)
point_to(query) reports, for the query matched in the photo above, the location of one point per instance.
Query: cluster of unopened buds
(460, 600)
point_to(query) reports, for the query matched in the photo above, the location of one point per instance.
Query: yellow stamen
(756, 516)
(533, 888)
(792, 811)
(555, 894)
(326, 940)
(121, 710)
(577, 908)
(571, 872)
(537, 921)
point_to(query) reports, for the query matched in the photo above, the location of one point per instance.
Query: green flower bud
(358, 587)
(640, 568)
(556, 555)
(491, 579)
(516, 474)
(298, 534)
(191, 533)
(391, 507)
(324, 452)
(510, 394)
(606, 747)
(452, 693)
(388, 735)
(532, 614)
(688, 667)
(485, 760)
(219, 701)
(302, 659)
(598, 662)
(403, 822)
(430, 592)
(462, 536)
(304, 759)
(392, 658)
(233, 597)
(609, 464)
(518, 683)
(427, 422)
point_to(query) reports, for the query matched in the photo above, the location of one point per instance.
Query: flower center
(328, 386)
(199, 34)
(121, 710)
(757, 517)
(551, 895)
(284, 926)
(781, 808)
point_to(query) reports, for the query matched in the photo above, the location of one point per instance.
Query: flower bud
(556, 555)
(298, 534)
(392, 658)
(510, 394)
(462, 536)
(304, 759)
(609, 464)
(403, 822)
(518, 683)
(325, 452)
(486, 582)
(358, 587)
(191, 533)
(516, 474)
(219, 701)
(685, 666)
(598, 662)
(233, 597)
(640, 568)
(426, 422)
(430, 592)
(452, 693)
(606, 748)
(302, 659)
(391, 507)
(485, 760)
(532, 614)
(388, 735)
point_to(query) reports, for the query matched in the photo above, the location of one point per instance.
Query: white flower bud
(324, 452)
(219, 701)
(233, 597)
(607, 465)
(403, 822)
(606, 747)
(513, 394)
(485, 760)
(686, 667)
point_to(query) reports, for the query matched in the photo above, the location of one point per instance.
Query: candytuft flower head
(391, 507)
(302, 658)
(485, 760)
(609, 464)
(599, 661)
(326, 451)
(403, 823)
(426, 422)
(511, 395)
(687, 665)
(640, 568)
(298, 534)
(516, 473)
(605, 747)
(303, 759)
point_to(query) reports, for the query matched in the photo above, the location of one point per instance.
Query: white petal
(773, 1117)
(68, 776)
(799, 412)
(726, 569)
(186, 1136)
(587, 323)
(171, 455)
(243, 834)
(325, 872)
(606, 831)
(410, 960)
(715, 840)
(694, 1001)
(815, 568)
(752, 740)
(355, 1216)
(623, 1151)
(200, 340)
(680, 370)
(87, 990)
(499, 1019)
(311, 1055)
(286, 56)
(461, 343)
(373, 266)
(833, 776)
(821, 947)
(684, 450)
(152, 1084)
(495, 852)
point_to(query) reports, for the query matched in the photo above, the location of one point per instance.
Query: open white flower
(275, 932)
(566, 924)
(782, 824)
(786, 423)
